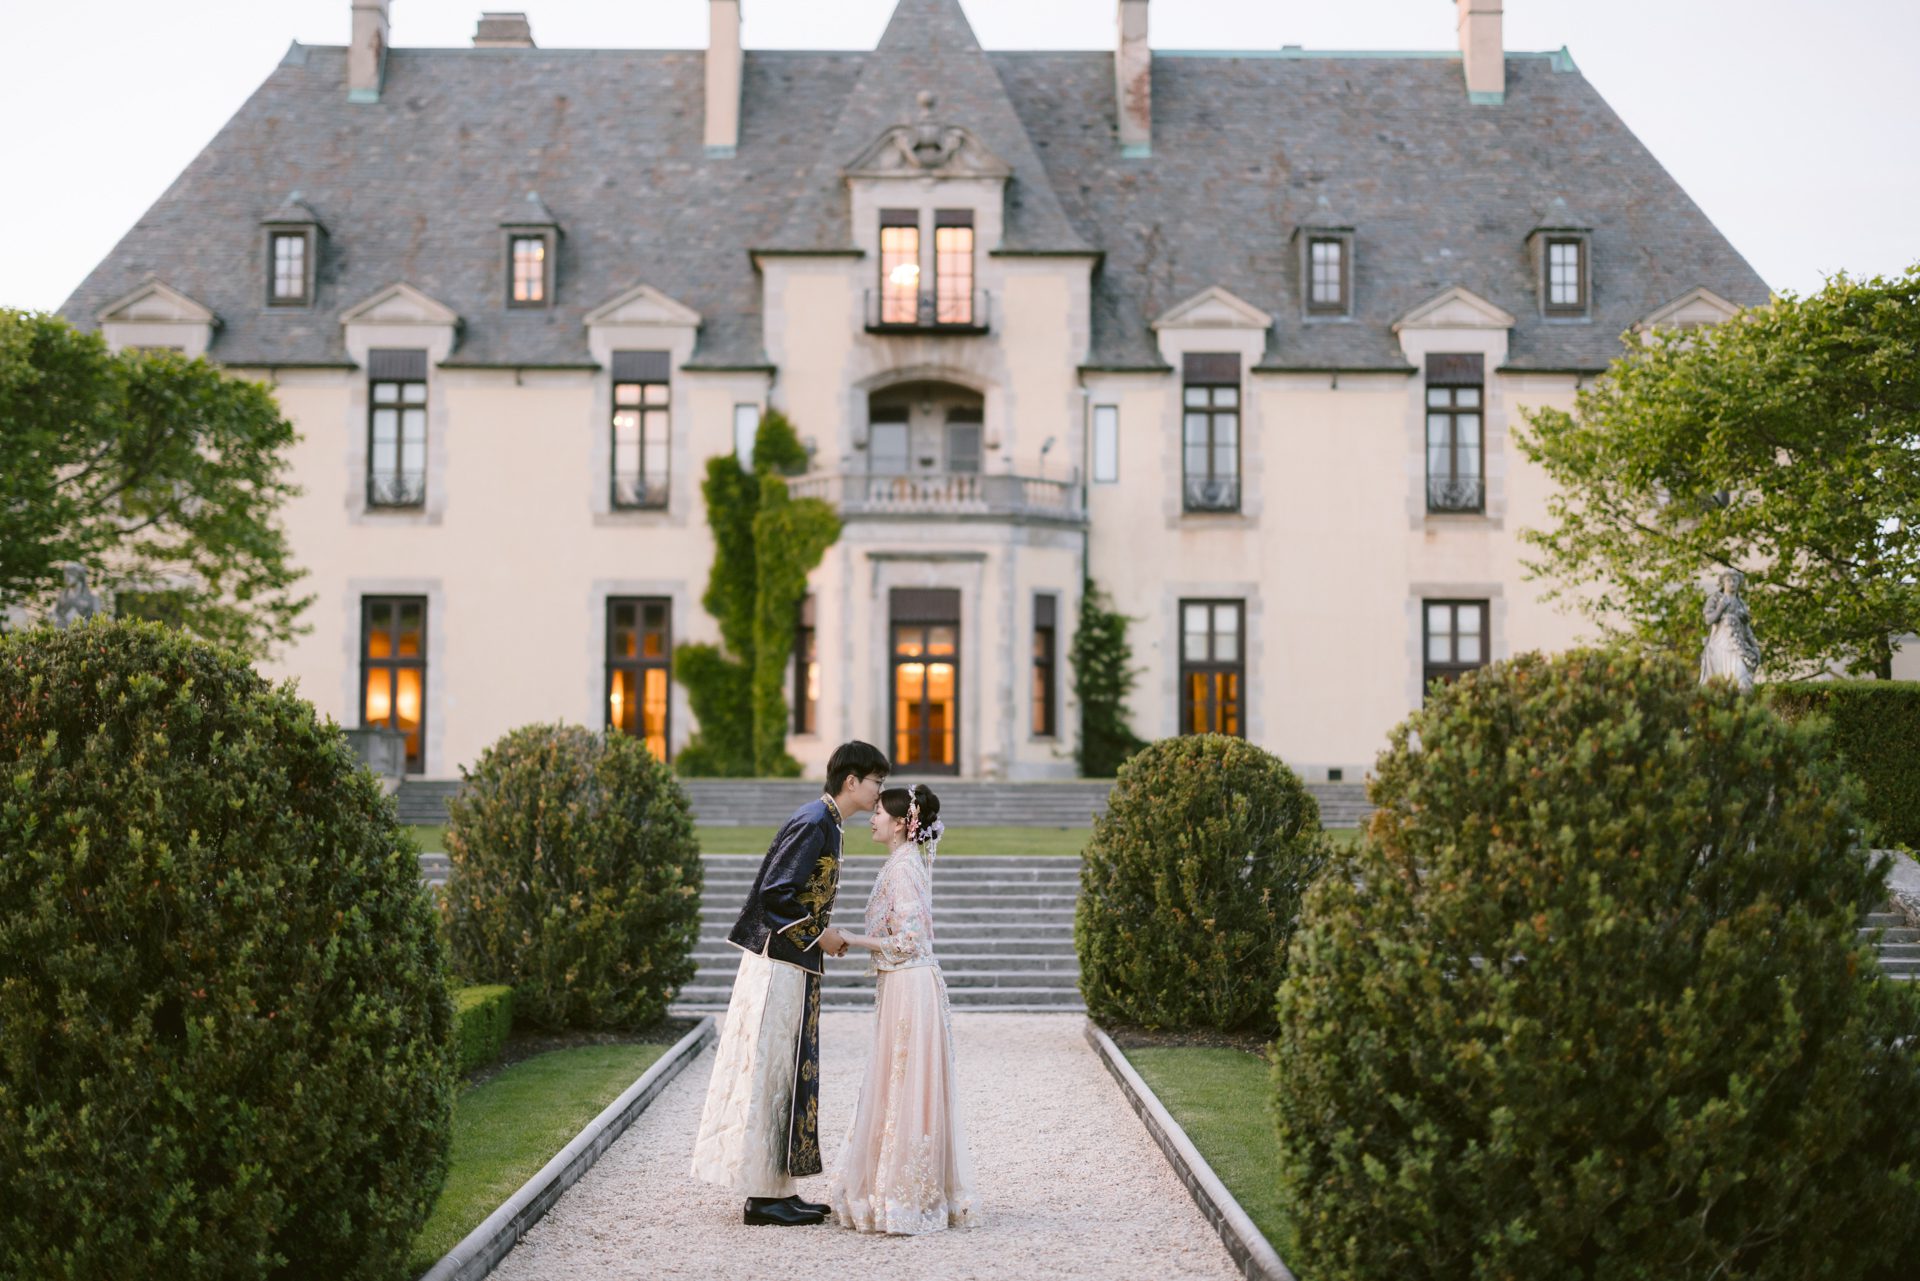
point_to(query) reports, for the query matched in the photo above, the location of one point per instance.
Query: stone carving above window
(928, 149)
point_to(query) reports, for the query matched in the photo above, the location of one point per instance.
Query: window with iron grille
(1212, 666)
(1045, 682)
(642, 420)
(639, 663)
(1327, 274)
(1455, 391)
(397, 428)
(953, 266)
(287, 263)
(528, 267)
(393, 670)
(1455, 638)
(899, 267)
(806, 670)
(1211, 432)
(1566, 274)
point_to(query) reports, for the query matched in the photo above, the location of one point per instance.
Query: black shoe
(810, 1207)
(767, 1212)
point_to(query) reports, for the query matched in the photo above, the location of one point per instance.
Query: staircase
(1899, 944)
(749, 802)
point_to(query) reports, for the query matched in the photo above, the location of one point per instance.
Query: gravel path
(1070, 1184)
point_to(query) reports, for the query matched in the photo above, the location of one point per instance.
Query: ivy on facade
(1103, 677)
(765, 544)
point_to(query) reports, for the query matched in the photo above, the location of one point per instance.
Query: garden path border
(1252, 1253)
(482, 1249)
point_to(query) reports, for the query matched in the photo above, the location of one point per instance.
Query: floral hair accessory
(913, 819)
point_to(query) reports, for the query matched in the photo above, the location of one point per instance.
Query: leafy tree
(161, 475)
(1784, 443)
(765, 544)
(1103, 676)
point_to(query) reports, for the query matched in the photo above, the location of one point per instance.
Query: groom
(761, 1124)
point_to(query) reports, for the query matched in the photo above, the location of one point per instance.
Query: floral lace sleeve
(899, 917)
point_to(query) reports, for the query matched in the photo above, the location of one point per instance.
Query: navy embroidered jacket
(791, 902)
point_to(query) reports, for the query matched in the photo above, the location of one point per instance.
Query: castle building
(1243, 338)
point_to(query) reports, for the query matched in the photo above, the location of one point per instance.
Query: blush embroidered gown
(904, 1167)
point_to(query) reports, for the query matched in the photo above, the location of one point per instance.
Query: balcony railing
(396, 488)
(925, 314)
(1213, 494)
(1456, 493)
(633, 493)
(954, 494)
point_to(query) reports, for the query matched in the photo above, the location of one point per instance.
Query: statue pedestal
(384, 751)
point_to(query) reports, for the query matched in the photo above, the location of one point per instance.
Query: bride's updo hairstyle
(896, 801)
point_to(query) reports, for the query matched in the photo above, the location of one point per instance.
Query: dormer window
(528, 262)
(899, 266)
(1566, 268)
(288, 253)
(953, 266)
(1326, 274)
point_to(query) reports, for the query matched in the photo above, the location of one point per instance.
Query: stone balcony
(946, 495)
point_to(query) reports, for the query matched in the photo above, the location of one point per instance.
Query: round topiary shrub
(575, 878)
(1588, 1001)
(1192, 883)
(225, 1030)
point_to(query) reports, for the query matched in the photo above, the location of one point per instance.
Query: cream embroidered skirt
(904, 1167)
(744, 1128)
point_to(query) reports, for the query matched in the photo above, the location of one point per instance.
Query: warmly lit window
(397, 429)
(1456, 481)
(393, 669)
(1566, 275)
(806, 671)
(639, 660)
(1211, 432)
(953, 266)
(1106, 444)
(926, 679)
(1212, 666)
(899, 267)
(529, 258)
(288, 263)
(1327, 274)
(1456, 638)
(642, 418)
(1045, 642)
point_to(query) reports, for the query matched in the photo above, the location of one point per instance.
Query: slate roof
(1245, 147)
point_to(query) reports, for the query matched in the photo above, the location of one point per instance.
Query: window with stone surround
(288, 268)
(396, 428)
(642, 420)
(639, 664)
(806, 670)
(1566, 269)
(1454, 640)
(1212, 666)
(1456, 417)
(529, 269)
(1327, 275)
(953, 266)
(1210, 431)
(1106, 444)
(899, 267)
(393, 670)
(1046, 683)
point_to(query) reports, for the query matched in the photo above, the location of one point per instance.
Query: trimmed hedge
(1876, 730)
(225, 1032)
(1587, 1000)
(482, 1018)
(1191, 885)
(574, 878)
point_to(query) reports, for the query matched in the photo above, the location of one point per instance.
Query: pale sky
(1793, 123)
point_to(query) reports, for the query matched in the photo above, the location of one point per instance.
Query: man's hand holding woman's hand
(833, 942)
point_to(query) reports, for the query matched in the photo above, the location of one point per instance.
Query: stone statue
(76, 602)
(1731, 649)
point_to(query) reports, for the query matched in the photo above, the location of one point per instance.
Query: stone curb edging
(1252, 1253)
(483, 1248)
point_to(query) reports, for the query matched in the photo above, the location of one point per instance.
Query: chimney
(725, 62)
(367, 56)
(1484, 51)
(503, 31)
(1133, 80)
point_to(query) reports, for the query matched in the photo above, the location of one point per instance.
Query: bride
(904, 1166)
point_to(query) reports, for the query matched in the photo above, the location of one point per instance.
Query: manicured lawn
(1219, 1096)
(1066, 842)
(505, 1129)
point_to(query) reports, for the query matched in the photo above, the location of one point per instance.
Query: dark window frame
(1455, 493)
(308, 241)
(1453, 667)
(400, 369)
(393, 663)
(639, 665)
(1191, 667)
(806, 666)
(1212, 372)
(963, 302)
(924, 609)
(1343, 302)
(640, 370)
(1583, 254)
(548, 243)
(1045, 686)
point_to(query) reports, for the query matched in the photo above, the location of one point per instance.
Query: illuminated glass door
(639, 659)
(926, 681)
(393, 669)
